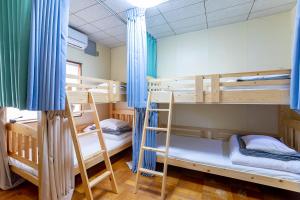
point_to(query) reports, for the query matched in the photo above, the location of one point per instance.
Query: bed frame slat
(212, 89)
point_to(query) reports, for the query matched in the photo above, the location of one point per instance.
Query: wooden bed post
(111, 96)
(283, 115)
(199, 89)
(40, 130)
(215, 88)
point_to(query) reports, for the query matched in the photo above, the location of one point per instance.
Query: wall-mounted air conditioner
(77, 39)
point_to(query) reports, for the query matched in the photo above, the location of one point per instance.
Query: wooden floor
(182, 185)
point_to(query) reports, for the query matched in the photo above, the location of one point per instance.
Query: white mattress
(89, 145)
(214, 153)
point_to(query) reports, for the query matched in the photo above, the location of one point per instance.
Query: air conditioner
(77, 39)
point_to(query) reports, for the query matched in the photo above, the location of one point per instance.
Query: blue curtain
(151, 56)
(149, 161)
(14, 45)
(295, 82)
(47, 55)
(136, 58)
(137, 84)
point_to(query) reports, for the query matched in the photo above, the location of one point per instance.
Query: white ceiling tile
(123, 15)
(76, 5)
(121, 37)
(93, 13)
(266, 4)
(214, 5)
(159, 29)
(88, 29)
(271, 11)
(152, 12)
(76, 21)
(118, 30)
(176, 4)
(100, 35)
(185, 12)
(164, 34)
(234, 11)
(155, 20)
(118, 5)
(110, 41)
(108, 22)
(187, 22)
(229, 20)
(187, 29)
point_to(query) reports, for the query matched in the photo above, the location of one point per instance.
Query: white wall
(259, 44)
(118, 63)
(92, 66)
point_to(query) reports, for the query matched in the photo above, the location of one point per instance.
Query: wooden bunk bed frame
(191, 90)
(290, 135)
(209, 89)
(23, 139)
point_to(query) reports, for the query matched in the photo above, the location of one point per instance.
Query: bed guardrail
(291, 133)
(22, 144)
(261, 87)
(104, 91)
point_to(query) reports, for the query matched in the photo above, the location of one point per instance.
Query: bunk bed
(22, 138)
(261, 87)
(209, 150)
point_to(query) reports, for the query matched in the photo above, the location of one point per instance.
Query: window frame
(79, 66)
(80, 74)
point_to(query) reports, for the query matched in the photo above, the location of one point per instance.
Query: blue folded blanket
(264, 154)
(120, 131)
(263, 78)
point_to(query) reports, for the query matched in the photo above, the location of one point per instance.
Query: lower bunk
(214, 153)
(23, 149)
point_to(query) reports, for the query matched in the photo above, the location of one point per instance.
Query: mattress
(214, 153)
(89, 146)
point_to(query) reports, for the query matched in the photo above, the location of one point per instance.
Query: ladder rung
(83, 111)
(88, 132)
(159, 110)
(156, 129)
(148, 171)
(154, 149)
(100, 178)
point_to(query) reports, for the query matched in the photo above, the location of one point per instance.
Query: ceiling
(105, 20)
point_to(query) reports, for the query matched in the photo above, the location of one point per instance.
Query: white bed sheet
(89, 145)
(214, 153)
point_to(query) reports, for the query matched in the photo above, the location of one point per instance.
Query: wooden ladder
(88, 184)
(164, 151)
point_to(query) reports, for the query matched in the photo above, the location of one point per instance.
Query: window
(74, 68)
(14, 114)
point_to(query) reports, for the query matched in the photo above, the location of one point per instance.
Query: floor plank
(182, 184)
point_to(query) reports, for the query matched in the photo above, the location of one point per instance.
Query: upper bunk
(103, 91)
(259, 87)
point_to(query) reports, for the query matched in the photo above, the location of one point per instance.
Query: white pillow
(113, 124)
(266, 143)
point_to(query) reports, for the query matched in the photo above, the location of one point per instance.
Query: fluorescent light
(146, 3)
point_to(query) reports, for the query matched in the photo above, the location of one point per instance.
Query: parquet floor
(182, 185)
